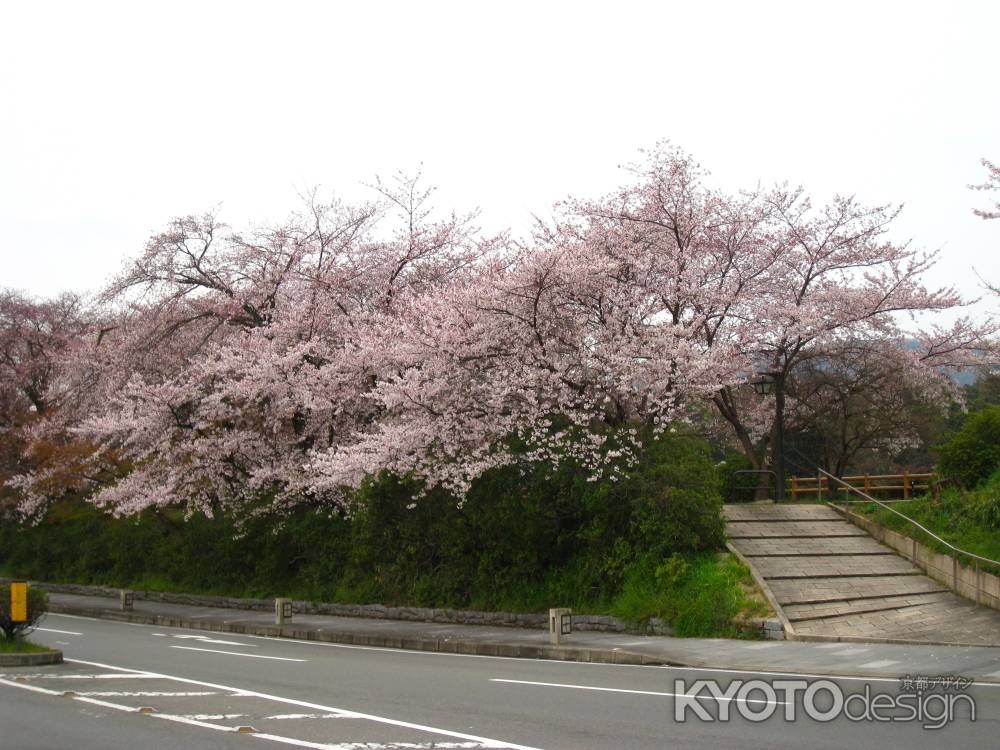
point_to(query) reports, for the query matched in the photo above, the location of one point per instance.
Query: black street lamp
(767, 383)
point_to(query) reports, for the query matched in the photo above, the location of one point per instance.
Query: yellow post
(18, 601)
(794, 488)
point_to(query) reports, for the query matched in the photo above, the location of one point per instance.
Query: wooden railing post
(794, 488)
(906, 485)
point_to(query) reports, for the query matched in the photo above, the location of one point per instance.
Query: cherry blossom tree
(865, 401)
(991, 184)
(549, 345)
(35, 335)
(284, 363)
(776, 280)
(227, 357)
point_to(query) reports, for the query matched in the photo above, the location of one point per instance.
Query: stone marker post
(560, 624)
(282, 611)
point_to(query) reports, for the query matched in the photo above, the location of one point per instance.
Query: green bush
(973, 452)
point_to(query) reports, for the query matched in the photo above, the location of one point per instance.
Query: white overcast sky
(115, 118)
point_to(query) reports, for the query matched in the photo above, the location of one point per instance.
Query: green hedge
(524, 538)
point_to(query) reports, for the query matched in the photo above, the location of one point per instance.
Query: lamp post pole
(765, 384)
(779, 437)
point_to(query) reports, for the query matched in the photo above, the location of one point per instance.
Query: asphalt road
(200, 687)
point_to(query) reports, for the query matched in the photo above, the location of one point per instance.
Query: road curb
(54, 656)
(374, 640)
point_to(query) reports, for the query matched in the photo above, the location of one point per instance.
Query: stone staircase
(832, 580)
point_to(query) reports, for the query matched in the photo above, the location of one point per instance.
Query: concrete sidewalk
(841, 659)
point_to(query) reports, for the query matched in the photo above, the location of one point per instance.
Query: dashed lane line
(237, 653)
(657, 693)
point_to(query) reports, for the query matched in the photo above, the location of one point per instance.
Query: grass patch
(7, 646)
(965, 519)
(703, 595)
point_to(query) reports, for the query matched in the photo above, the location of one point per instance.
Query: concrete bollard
(282, 611)
(560, 624)
(126, 599)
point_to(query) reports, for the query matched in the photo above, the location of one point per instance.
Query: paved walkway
(833, 580)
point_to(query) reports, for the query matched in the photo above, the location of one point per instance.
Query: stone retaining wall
(601, 623)
(965, 580)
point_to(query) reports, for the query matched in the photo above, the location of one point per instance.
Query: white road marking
(97, 619)
(879, 664)
(33, 688)
(212, 717)
(237, 653)
(151, 694)
(634, 692)
(193, 722)
(87, 676)
(105, 704)
(53, 630)
(850, 651)
(377, 745)
(206, 639)
(319, 707)
(311, 716)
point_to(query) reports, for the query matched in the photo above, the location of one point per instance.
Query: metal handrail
(920, 526)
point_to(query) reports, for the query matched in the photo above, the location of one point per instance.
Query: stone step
(800, 529)
(849, 588)
(805, 612)
(844, 545)
(780, 513)
(816, 566)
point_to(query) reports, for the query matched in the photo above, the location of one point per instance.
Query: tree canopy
(291, 361)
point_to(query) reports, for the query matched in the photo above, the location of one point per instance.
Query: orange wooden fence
(904, 484)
